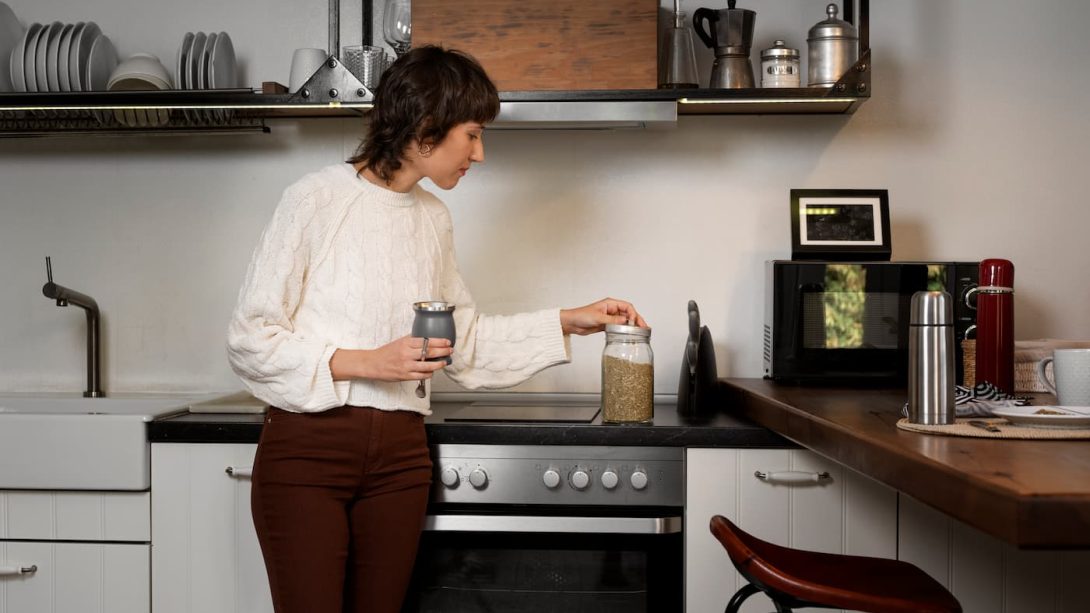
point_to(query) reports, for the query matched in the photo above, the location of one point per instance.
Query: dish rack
(332, 86)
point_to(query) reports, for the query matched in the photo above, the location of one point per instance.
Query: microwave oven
(847, 322)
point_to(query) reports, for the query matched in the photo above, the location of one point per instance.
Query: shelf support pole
(335, 28)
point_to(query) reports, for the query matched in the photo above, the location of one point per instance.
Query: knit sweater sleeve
(494, 351)
(279, 364)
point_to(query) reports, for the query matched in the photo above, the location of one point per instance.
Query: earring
(425, 150)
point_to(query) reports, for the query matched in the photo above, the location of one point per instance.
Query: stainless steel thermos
(931, 359)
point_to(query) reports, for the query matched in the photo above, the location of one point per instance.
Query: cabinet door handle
(240, 472)
(792, 476)
(8, 571)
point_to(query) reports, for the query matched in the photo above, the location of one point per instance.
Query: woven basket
(968, 361)
(1026, 358)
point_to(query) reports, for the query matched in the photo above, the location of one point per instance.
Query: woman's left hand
(594, 317)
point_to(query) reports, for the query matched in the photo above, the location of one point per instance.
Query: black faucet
(64, 297)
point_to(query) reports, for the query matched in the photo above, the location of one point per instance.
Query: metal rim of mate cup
(434, 319)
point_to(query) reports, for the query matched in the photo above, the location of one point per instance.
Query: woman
(342, 471)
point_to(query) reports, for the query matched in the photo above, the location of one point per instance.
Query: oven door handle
(560, 524)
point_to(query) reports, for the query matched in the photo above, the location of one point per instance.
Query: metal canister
(780, 66)
(931, 359)
(833, 49)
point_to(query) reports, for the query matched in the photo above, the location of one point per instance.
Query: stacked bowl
(140, 72)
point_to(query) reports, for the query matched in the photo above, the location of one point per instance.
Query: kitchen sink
(74, 443)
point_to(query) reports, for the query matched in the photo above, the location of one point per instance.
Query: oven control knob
(580, 479)
(551, 478)
(610, 479)
(478, 478)
(638, 480)
(450, 477)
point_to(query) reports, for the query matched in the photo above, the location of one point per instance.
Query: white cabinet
(205, 555)
(843, 513)
(74, 552)
(987, 575)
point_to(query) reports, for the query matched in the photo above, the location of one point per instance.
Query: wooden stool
(793, 578)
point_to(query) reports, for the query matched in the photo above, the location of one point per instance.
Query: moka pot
(729, 32)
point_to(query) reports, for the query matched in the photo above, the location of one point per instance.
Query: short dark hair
(421, 96)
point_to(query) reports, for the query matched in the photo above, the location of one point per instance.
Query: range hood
(585, 115)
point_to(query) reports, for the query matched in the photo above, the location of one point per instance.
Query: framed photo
(840, 224)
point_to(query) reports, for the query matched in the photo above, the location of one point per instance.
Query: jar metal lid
(433, 305)
(779, 50)
(623, 329)
(832, 27)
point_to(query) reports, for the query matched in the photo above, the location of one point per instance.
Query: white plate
(41, 67)
(180, 80)
(203, 61)
(11, 38)
(63, 51)
(181, 71)
(205, 70)
(28, 60)
(1067, 417)
(223, 71)
(193, 64)
(101, 62)
(18, 58)
(80, 53)
(52, 57)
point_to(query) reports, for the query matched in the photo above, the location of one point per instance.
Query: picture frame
(840, 224)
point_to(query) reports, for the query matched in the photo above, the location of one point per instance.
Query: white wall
(977, 128)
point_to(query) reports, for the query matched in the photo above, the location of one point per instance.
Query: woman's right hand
(399, 360)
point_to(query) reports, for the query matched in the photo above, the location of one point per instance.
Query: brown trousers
(338, 502)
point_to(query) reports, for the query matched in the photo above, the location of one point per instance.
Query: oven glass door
(567, 561)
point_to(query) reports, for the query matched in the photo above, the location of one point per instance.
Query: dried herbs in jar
(628, 375)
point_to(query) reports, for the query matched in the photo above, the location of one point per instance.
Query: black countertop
(669, 429)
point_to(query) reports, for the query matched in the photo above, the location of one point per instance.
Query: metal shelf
(334, 92)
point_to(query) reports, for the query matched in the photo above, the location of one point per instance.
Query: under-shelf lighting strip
(192, 107)
(765, 100)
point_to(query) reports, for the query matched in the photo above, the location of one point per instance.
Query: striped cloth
(980, 401)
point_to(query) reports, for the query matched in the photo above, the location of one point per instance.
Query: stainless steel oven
(536, 528)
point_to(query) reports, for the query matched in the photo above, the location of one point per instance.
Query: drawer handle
(791, 476)
(240, 471)
(7, 571)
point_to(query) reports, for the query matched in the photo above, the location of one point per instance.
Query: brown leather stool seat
(793, 578)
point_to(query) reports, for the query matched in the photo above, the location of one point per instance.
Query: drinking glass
(397, 25)
(366, 62)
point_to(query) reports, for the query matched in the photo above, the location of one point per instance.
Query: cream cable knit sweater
(339, 266)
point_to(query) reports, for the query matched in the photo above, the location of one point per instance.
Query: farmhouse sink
(73, 443)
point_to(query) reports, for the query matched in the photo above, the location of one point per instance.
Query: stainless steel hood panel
(585, 115)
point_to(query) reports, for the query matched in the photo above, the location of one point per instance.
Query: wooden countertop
(1032, 494)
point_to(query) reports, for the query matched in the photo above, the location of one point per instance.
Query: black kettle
(697, 385)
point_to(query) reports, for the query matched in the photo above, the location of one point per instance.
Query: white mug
(1071, 370)
(304, 63)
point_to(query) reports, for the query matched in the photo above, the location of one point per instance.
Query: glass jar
(628, 376)
(780, 66)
